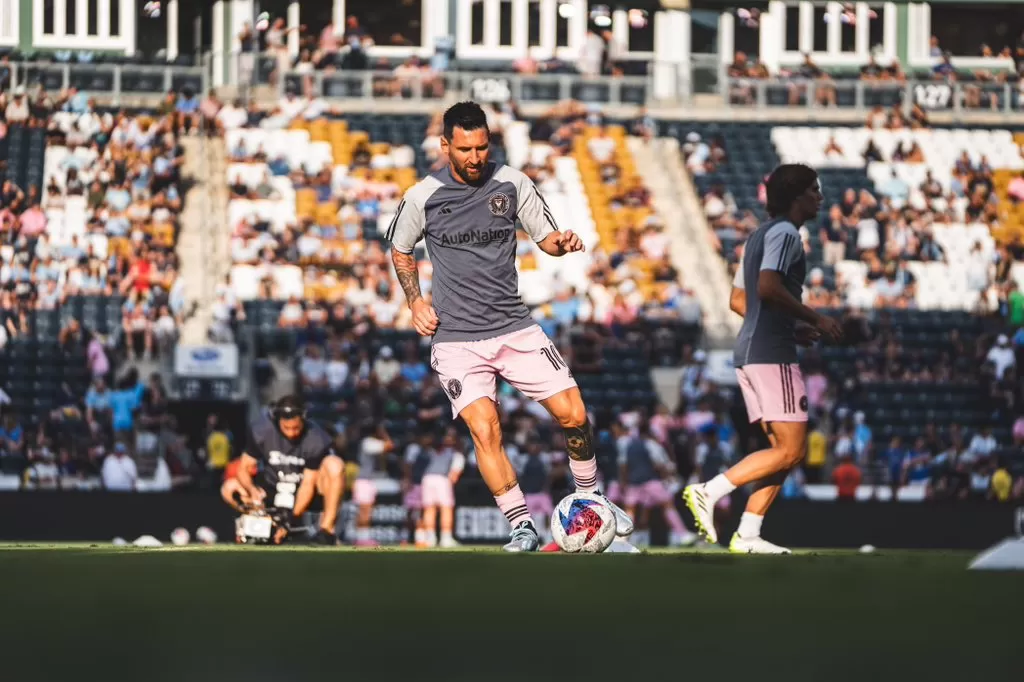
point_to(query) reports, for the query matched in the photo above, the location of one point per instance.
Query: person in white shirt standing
(119, 472)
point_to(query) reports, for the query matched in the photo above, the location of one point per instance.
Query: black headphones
(288, 407)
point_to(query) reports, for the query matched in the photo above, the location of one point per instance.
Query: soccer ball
(206, 535)
(582, 522)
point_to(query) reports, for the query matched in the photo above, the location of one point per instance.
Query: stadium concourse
(89, 210)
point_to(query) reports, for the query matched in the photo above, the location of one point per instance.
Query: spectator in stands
(602, 146)
(218, 444)
(847, 478)
(832, 149)
(119, 471)
(591, 54)
(96, 357)
(187, 114)
(644, 125)
(1001, 355)
(17, 110)
(871, 71)
(741, 90)
(123, 403)
(807, 73)
(12, 443)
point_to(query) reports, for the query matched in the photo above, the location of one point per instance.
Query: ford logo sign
(205, 354)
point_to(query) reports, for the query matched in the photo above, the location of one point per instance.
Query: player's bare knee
(568, 409)
(486, 430)
(575, 417)
(793, 453)
(332, 467)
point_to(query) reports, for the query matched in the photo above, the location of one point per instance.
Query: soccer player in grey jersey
(767, 292)
(467, 215)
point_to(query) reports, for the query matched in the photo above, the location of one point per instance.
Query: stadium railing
(666, 84)
(859, 95)
(112, 79)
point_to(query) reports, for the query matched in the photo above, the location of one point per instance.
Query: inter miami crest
(454, 389)
(498, 203)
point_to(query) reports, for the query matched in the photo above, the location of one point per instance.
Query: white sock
(750, 526)
(446, 535)
(362, 534)
(718, 487)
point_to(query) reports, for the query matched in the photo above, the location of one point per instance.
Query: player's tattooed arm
(408, 275)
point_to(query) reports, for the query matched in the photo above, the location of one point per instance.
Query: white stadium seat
(941, 285)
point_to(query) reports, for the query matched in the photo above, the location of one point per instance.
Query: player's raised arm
(536, 218)
(404, 232)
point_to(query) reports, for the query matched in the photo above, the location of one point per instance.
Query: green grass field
(222, 613)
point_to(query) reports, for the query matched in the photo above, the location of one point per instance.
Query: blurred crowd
(103, 223)
(120, 438)
(94, 243)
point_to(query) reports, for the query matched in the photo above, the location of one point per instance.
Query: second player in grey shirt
(470, 235)
(768, 336)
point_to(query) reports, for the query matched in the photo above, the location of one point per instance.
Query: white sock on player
(750, 525)
(718, 487)
(363, 535)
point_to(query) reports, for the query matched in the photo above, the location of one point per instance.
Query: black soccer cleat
(325, 537)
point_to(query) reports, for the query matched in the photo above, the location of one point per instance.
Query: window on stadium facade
(150, 31)
(392, 23)
(836, 34)
(9, 22)
(966, 29)
(704, 31)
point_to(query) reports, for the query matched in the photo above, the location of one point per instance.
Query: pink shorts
(364, 492)
(540, 504)
(614, 492)
(413, 498)
(438, 491)
(650, 494)
(526, 359)
(773, 393)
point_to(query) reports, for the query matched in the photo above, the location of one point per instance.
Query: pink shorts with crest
(526, 359)
(773, 393)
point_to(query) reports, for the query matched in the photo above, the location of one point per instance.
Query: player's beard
(463, 172)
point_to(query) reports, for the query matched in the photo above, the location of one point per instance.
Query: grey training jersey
(767, 336)
(444, 461)
(470, 233)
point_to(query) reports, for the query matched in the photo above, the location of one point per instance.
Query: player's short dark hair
(289, 407)
(466, 115)
(785, 184)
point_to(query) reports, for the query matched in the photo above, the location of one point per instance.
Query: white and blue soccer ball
(582, 522)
